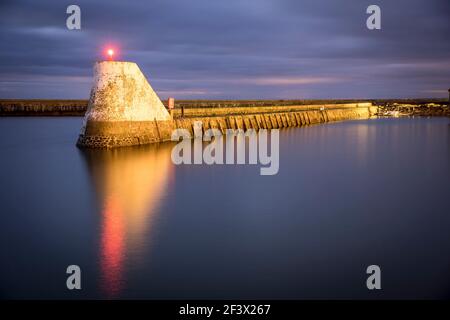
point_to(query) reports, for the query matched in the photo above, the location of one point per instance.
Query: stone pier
(124, 110)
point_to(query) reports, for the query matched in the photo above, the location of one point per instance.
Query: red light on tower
(110, 53)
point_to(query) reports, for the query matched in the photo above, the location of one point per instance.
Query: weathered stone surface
(273, 121)
(239, 122)
(268, 120)
(122, 93)
(247, 110)
(279, 121)
(254, 123)
(247, 123)
(222, 125)
(109, 134)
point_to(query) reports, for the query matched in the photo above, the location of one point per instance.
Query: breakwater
(47, 107)
(36, 107)
(107, 134)
(40, 107)
(124, 110)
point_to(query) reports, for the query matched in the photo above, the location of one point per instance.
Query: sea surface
(347, 195)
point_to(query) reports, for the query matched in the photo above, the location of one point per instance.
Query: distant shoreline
(47, 107)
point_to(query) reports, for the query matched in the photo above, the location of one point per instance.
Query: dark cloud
(231, 49)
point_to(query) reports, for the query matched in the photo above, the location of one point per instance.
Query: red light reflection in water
(129, 184)
(112, 244)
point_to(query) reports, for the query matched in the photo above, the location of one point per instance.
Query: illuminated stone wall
(106, 134)
(121, 92)
(124, 110)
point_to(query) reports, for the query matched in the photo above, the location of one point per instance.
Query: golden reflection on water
(363, 135)
(129, 185)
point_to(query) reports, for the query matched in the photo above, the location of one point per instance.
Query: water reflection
(363, 136)
(129, 185)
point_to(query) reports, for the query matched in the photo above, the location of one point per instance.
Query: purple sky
(233, 49)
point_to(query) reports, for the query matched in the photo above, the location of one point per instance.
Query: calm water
(347, 195)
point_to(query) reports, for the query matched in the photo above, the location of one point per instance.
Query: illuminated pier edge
(124, 110)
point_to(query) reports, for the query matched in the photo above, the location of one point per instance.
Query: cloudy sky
(230, 49)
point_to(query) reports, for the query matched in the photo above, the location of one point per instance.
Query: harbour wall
(42, 108)
(61, 108)
(111, 134)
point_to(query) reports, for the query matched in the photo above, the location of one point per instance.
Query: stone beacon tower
(123, 109)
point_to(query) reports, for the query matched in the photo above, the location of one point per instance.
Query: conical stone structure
(123, 108)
